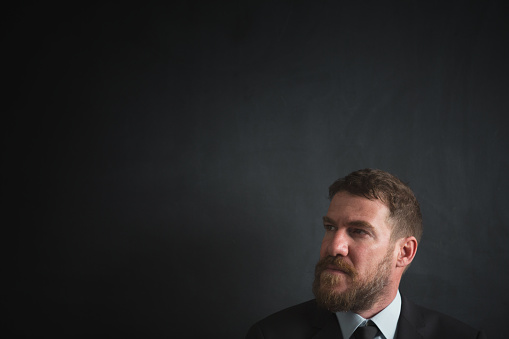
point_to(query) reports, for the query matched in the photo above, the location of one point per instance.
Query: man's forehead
(349, 207)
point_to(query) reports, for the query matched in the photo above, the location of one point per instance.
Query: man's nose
(339, 244)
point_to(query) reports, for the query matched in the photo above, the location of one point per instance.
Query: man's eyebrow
(355, 223)
(360, 223)
(328, 220)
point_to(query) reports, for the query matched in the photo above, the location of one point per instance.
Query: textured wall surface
(167, 165)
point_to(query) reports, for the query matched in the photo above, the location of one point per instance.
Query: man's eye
(358, 231)
(329, 227)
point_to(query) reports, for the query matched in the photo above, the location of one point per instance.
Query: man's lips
(335, 269)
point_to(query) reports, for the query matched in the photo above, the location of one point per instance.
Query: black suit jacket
(306, 320)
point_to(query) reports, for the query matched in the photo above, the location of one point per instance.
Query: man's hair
(374, 184)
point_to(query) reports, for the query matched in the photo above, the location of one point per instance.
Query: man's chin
(337, 289)
(334, 295)
(334, 300)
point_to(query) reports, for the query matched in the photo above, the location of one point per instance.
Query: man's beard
(360, 295)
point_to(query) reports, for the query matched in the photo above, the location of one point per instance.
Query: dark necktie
(366, 332)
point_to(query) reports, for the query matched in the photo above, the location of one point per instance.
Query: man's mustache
(337, 263)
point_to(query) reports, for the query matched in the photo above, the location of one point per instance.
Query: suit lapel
(410, 321)
(327, 325)
(329, 331)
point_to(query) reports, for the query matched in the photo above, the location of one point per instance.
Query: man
(372, 230)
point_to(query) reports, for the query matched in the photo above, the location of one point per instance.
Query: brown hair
(372, 184)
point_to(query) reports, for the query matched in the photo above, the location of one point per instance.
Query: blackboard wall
(166, 167)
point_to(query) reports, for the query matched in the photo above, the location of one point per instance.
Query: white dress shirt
(386, 320)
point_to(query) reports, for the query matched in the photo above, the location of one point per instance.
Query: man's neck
(381, 304)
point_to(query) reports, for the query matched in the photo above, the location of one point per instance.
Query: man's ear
(407, 247)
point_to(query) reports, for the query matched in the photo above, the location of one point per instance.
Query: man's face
(357, 257)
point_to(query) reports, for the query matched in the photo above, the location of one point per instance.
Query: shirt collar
(386, 320)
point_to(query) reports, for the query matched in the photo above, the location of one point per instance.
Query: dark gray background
(166, 167)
